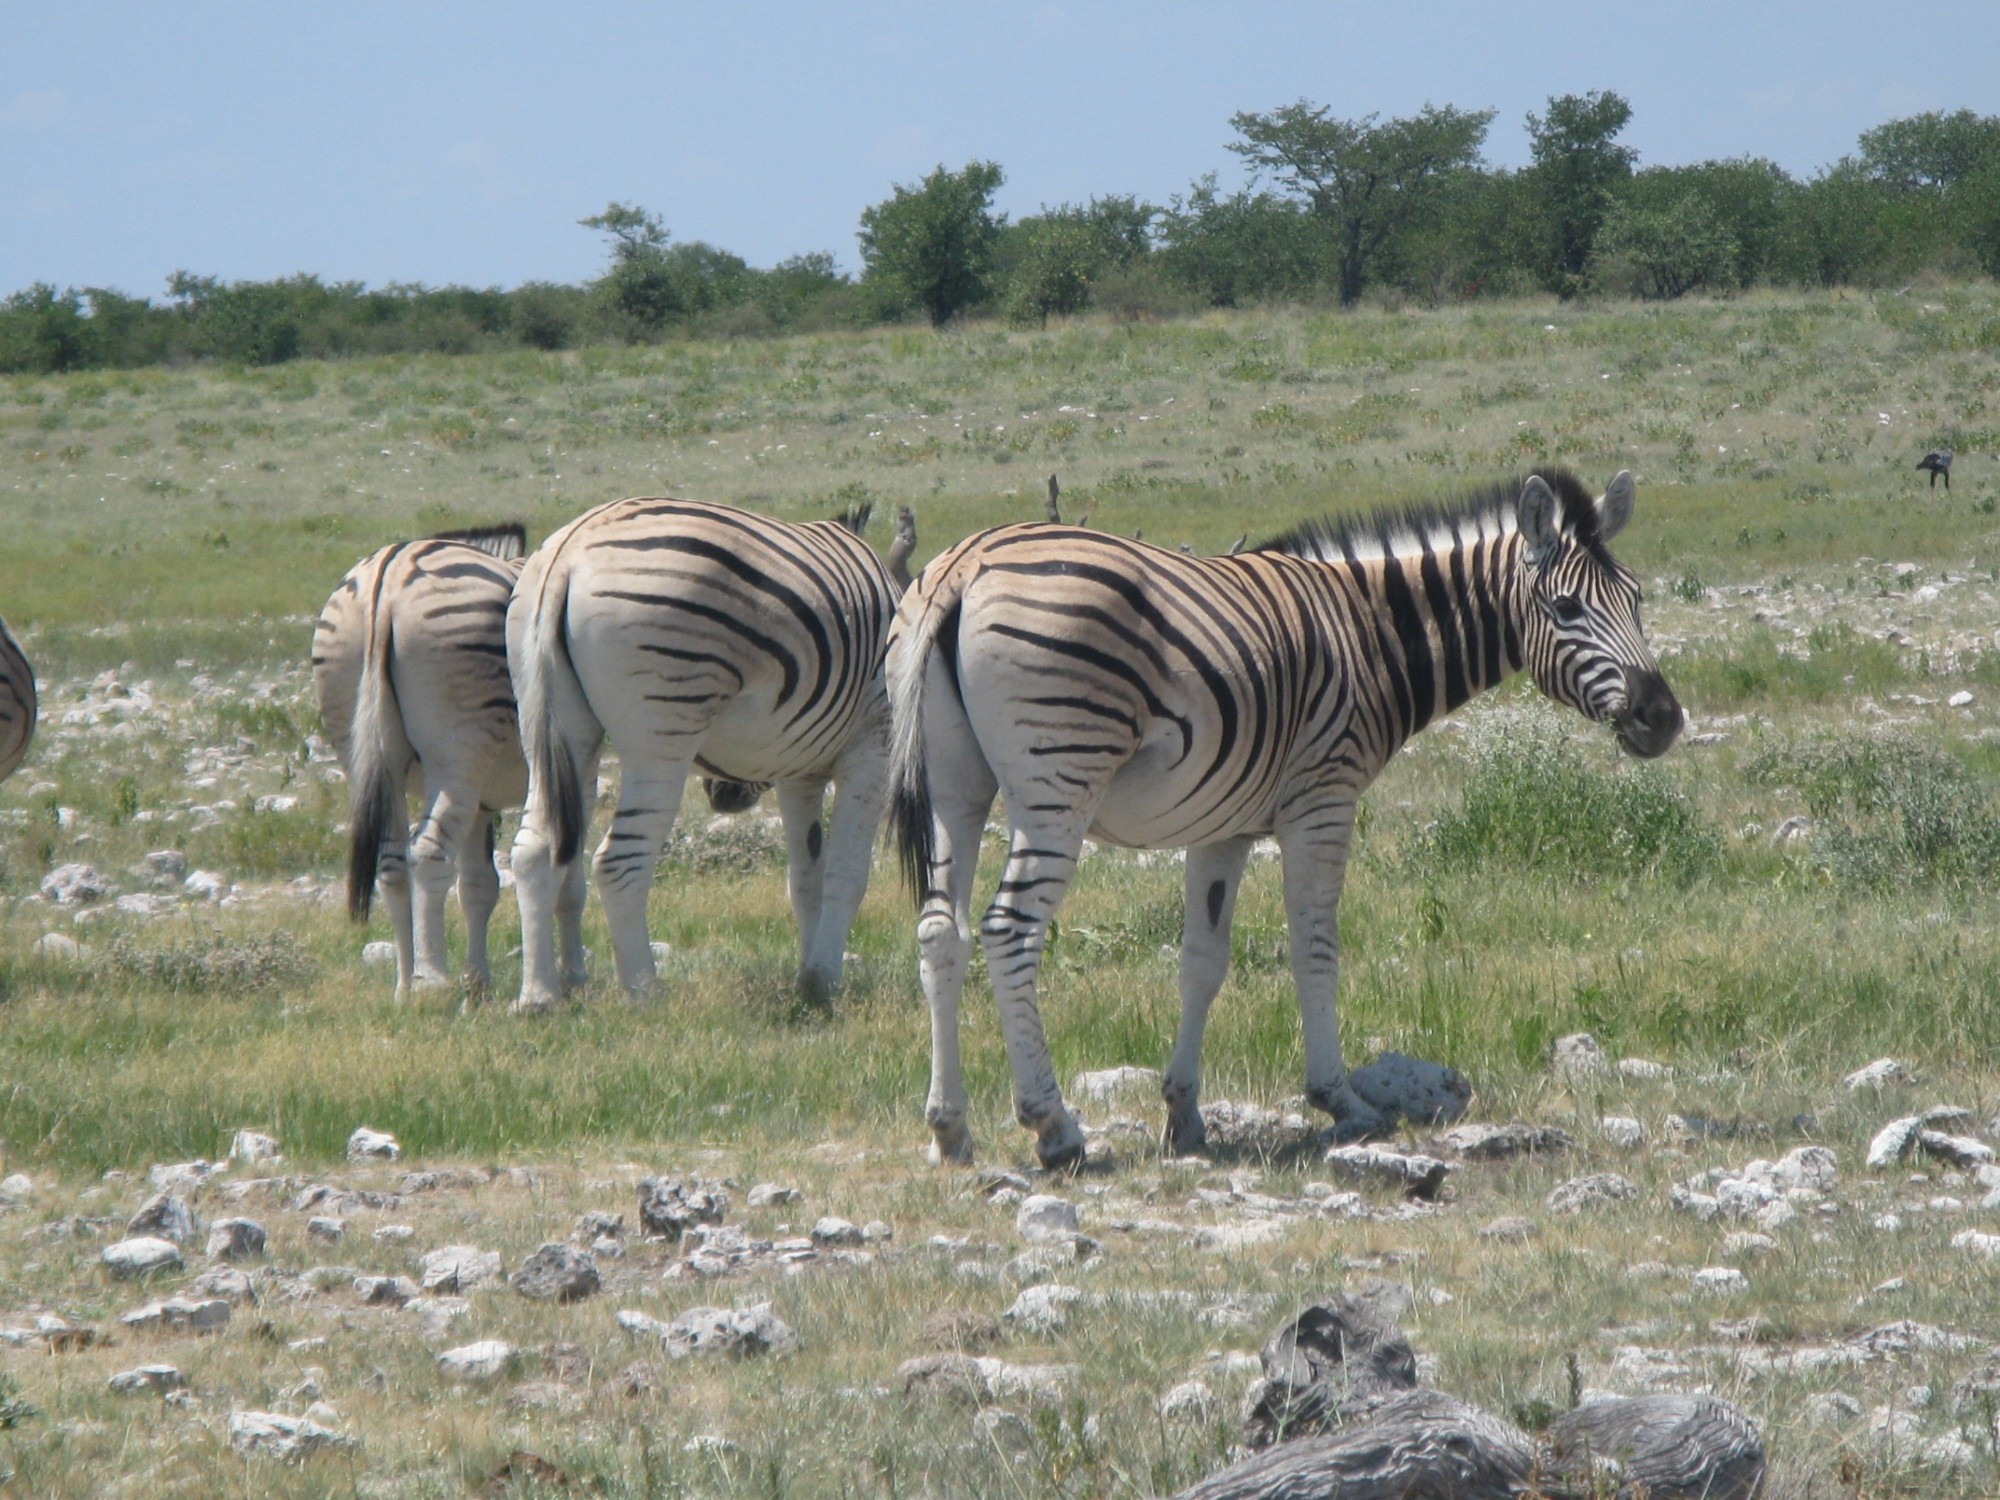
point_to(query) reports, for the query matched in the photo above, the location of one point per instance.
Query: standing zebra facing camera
(17, 703)
(1120, 691)
(410, 668)
(699, 638)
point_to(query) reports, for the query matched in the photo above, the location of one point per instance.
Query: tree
(1933, 151)
(641, 285)
(1361, 180)
(1053, 268)
(1234, 249)
(1671, 250)
(933, 244)
(1577, 170)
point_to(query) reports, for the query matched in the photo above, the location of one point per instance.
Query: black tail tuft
(855, 517)
(559, 774)
(915, 835)
(372, 806)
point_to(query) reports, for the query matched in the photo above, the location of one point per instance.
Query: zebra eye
(1568, 609)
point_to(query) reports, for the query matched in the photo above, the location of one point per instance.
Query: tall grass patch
(1531, 802)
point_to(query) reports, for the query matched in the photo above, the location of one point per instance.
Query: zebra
(410, 667)
(1154, 700)
(17, 703)
(701, 638)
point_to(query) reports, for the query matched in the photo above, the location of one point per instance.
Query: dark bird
(1938, 463)
(1055, 493)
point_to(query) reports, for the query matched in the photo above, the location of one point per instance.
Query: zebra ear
(1539, 513)
(1615, 509)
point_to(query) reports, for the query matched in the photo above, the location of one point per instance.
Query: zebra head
(1580, 632)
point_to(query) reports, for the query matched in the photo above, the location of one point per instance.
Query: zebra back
(17, 703)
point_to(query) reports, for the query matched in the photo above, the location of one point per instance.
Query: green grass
(1514, 880)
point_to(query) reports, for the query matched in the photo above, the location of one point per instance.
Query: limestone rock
(1877, 1075)
(1501, 1142)
(1960, 1151)
(253, 1147)
(973, 1380)
(181, 1314)
(147, 1378)
(326, 1227)
(1720, 1281)
(1043, 1310)
(1191, 1402)
(58, 947)
(229, 1284)
(557, 1273)
(378, 954)
(770, 1195)
(670, 1206)
(1622, 1131)
(835, 1233)
(73, 885)
(366, 1144)
(1579, 1056)
(274, 1435)
(1511, 1229)
(141, 1256)
(1109, 1084)
(1409, 1088)
(1894, 1141)
(459, 1268)
(1418, 1176)
(164, 1215)
(235, 1239)
(736, 1332)
(1043, 1218)
(386, 1291)
(477, 1364)
(1599, 1188)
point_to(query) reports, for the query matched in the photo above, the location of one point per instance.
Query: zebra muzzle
(1652, 717)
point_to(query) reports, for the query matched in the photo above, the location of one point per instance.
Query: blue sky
(461, 142)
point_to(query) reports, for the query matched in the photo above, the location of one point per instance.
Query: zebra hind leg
(478, 895)
(801, 804)
(447, 827)
(1214, 875)
(1040, 864)
(392, 883)
(859, 794)
(550, 896)
(649, 798)
(962, 792)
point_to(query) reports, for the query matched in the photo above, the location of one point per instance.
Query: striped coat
(410, 668)
(1111, 689)
(17, 703)
(701, 639)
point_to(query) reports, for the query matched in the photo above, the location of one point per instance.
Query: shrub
(200, 965)
(1530, 802)
(1888, 811)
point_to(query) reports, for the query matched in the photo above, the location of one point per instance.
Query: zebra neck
(1445, 622)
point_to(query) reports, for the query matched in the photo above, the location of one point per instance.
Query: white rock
(1893, 1141)
(1720, 1281)
(1959, 699)
(72, 885)
(1643, 1070)
(235, 1239)
(1042, 1218)
(772, 1195)
(1958, 1150)
(206, 885)
(1879, 1074)
(1106, 1084)
(1043, 1309)
(140, 1256)
(15, 1190)
(250, 1146)
(477, 1364)
(1622, 1130)
(182, 1314)
(1742, 1242)
(57, 947)
(1580, 1193)
(366, 1143)
(378, 954)
(278, 1436)
(146, 1378)
(1191, 1402)
(1814, 1167)
(834, 1232)
(460, 1268)
(1976, 1242)
(1231, 1239)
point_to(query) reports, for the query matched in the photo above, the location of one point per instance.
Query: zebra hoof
(814, 990)
(1061, 1150)
(535, 1005)
(951, 1144)
(1187, 1137)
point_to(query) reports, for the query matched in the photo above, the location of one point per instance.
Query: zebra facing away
(1107, 688)
(17, 703)
(410, 668)
(705, 639)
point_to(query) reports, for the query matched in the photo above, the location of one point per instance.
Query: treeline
(1336, 210)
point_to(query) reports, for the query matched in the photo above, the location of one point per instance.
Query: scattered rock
(1894, 1141)
(1643, 1070)
(181, 1314)
(57, 947)
(1879, 1074)
(386, 1291)
(326, 1227)
(1975, 1242)
(670, 1207)
(1408, 1088)
(1500, 1142)
(230, 1285)
(1579, 1056)
(557, 1273)
(73, 885)
(1720, 1281)
(206, 885)
(1108, 1084)
(835, 1233)
(366, 1144)
(1192, 1402)
(973, 1380)
(736, 1332)
(1042, 1310)
(459, 1268)
(1514, 1229)
(235, 1239)
(1622, 1131)
(141, 1256)
(766, 1195)
(164, 1215)
(960, 1328)
(147, 1378)
(1043, 1218)
(477, 1364)
(1599, 1188)
(378, 954)
(1418, 1176)
(252, 1147)
(273, 1435)
(1960, 1151)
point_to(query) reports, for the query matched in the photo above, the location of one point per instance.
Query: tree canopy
(933, 244)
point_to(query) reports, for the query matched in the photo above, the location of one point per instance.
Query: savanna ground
(172, 533)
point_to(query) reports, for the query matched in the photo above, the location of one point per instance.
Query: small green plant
(1689, 587)
(13, 1410)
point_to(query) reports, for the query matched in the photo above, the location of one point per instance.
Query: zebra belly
(1143, 810)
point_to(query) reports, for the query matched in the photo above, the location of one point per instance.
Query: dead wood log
(1667, 1447)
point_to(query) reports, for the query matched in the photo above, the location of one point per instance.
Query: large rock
(1044, 1217)
(164, 1215)
(73, 885)
(477, 1364)
(975, 1380)
(274, 1435)
(670, 1206)
(253, 1147)
(1409, 1088)
(147, 1378)
(1502, 1142)
(557, 1273)
(372, 1145)
(460, 1268)
(1599, 1188)
(181, 1315)
(235, 1239)
(1108, 1084)
(736, 1332)
(1418, 1176)
(141, 1256)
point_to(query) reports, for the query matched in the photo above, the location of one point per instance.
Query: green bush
(1531, 803)
(1889, 812)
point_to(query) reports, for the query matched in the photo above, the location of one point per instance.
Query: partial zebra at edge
(18, 703)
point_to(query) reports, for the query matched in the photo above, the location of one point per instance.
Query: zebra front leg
(478, 895)
(944, 945)
(801, 806)
(649, 798)
(1214, 875)
(1315, 865)
(392, 883)
(445, 828)
(1013, 932)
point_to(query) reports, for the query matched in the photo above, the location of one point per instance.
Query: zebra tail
(544, 671)
(909, 781)
(374, 791)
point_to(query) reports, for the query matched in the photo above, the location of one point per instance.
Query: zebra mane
(1390, 531)
(507, 541)
(855, 517)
